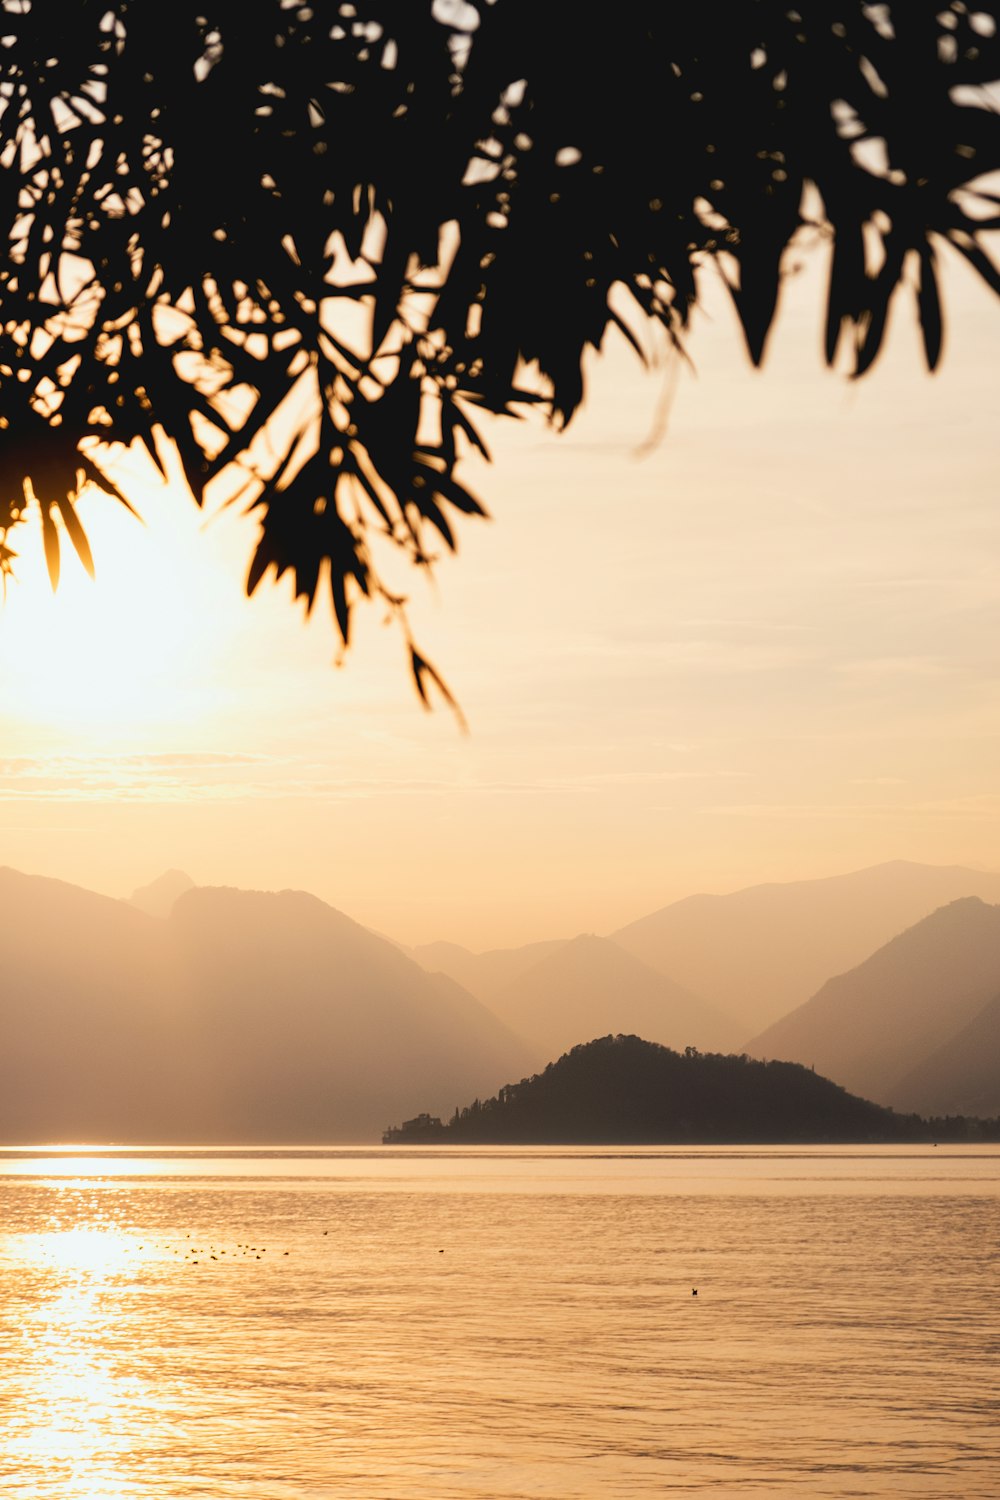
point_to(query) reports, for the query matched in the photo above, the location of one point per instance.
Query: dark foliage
(623, 1090)
(315, 242)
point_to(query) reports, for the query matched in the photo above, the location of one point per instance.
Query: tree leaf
(77, 535)
(929, 307)
(50, 538)
(420, 668)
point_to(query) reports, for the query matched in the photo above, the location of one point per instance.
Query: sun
(132, 647)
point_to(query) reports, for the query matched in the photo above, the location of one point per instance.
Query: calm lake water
(477, 1325)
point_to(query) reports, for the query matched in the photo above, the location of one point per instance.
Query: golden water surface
(429, 1324)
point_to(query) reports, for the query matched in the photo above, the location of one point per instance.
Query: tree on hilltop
(310, 245)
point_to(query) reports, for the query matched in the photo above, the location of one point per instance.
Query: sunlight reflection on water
(73, 1412)
(511, 1325)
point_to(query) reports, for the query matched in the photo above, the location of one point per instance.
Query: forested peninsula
(621, 1090)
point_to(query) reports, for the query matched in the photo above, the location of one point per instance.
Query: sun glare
(132, 647)
(82, 1166)
(93, 1252)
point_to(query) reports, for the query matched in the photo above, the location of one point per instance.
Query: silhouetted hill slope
(590, 986)
(962, 1076)
(758, 952)
(483, 974)
(245, 1016)
(871, 1027)
(157, 899)
(621, 1089)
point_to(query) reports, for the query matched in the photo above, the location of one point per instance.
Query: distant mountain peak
(761, 951)
(157, 898)
(246, 1016)
(875, 1026)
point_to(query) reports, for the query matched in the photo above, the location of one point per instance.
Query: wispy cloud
(224, 776)
(27, 765)
(985, 806)
(160, 775)
(900, 666)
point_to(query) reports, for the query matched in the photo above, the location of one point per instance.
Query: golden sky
(763, 647)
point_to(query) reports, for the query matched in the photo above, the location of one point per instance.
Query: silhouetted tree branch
(314, 242)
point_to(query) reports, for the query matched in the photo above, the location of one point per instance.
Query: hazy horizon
(435, 938)
(220, 1013)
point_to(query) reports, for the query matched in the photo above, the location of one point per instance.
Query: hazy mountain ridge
(242, 1016)
(373, 1022)
(484, 974)
(624, 1090)
(754, 954)
(760, 941)
(157, 898)
(589, 986)
(254, 1015)
(87, 1025)
(759, 952)
(877, 1028)
(963, 1075)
